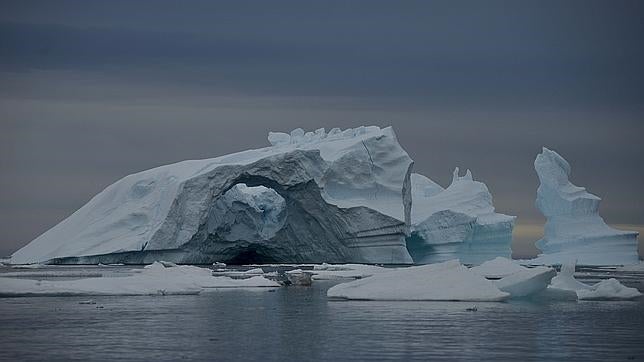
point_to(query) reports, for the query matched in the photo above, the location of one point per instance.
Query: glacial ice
(574, 229)
(342, 196)
(155, 279)
(515, 279)
(447, 281)
(345, 271)
(498, 268)
(456, 222)
(609, 289)
(526, 282)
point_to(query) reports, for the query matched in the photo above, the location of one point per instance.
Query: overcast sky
(93, 91)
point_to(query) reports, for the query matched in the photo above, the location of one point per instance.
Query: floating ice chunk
(299, 277)
(526, 282)
(497, 268)
(279, 138)
(255, 271)
(633, 268)
(155, 279)
(345, 271)
(609, 289)
(565, 279)
(574, 228)
(436, 282)
(52, 274)
(218, 264)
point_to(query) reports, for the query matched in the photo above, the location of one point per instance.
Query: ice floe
(447, 281)
(154, 279)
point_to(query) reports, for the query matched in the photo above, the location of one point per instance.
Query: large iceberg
(574, 230)
(456, 222)
(341, 196)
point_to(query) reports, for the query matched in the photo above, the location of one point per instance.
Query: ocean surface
(300, 324)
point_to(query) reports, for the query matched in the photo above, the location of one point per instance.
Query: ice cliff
(574, 230)
(341, 196)
(456, 222)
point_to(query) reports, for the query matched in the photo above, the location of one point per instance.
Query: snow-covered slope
(342, 196)
(574, 230)
(456, 222)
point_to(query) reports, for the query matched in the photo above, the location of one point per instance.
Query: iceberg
(498, 268)
(345, 271)
(456, 222)
(574, 230)
(526, 282)
(155, 279)
(515, 279)
(447, 281)
(609, 289)
(310, 197)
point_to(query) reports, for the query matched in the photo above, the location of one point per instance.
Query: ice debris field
(493, 281)
(332, 204)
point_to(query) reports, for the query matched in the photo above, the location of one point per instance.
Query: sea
(299, 323)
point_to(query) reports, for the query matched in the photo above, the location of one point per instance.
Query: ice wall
(456, 222)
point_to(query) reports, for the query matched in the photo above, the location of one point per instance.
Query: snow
(447, 281)
(497, 268)
(155, 279)
(574, 229)
(353, 186)
(456, 222)
(609, 289)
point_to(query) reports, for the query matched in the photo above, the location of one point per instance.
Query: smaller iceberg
(155, 279)
(345, 271)
(515, 279)
(447, 281)
(527, 282)
(498, 268)
(456, 222)
(609, 289)
(574, 229)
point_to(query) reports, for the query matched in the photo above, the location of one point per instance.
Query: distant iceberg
(342, 196)
(456, 222)
(574, 230)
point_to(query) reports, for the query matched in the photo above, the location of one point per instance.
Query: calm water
(300, 324)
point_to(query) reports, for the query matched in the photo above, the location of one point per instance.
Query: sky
(91, 91)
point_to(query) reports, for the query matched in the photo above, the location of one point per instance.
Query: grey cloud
(92, 91)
